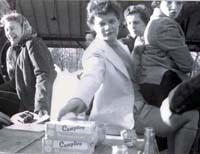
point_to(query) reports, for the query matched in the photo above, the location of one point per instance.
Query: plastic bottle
(150, 144)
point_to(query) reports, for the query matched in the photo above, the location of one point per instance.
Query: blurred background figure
(89, 37)
(4, 119)
(4, 8)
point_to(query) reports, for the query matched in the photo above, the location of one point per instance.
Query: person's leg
(177, 128)
(9, 103)
(154, 94)
(171, 143)
(185, 126)
(184, 136)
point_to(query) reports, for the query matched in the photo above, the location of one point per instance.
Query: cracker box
(85, 131)
(57, 146)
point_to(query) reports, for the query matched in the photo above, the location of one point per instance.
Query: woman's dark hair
(102, 7)
(139, 9)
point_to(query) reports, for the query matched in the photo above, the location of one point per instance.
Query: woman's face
(106, 26)
(13, 31)
(135, 25)
(171, 8)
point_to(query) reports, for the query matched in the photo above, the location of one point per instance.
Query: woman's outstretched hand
(74, 105)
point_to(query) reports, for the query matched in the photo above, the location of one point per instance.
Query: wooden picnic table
(17, 139)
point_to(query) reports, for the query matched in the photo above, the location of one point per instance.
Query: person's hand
(74, 105)
(4, 120)
(42, 113)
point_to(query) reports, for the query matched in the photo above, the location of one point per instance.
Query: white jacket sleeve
(92, 78)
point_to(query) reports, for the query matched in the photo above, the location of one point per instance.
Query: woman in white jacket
(105, 75)
(108, 76)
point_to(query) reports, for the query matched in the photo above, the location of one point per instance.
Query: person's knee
(188, 120)
(193, 118)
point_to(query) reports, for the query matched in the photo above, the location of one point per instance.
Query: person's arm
(93, 74)
(139, 100)
(4, 120)
(92, 78)
(44, 72)
(170, 39)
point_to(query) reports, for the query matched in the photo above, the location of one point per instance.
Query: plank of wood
(13, 141)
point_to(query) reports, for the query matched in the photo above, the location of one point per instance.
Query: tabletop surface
(27, 141)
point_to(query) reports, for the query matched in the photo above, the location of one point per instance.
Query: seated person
(4, 8)
(108, 76)
(29, 66)
(166, 60)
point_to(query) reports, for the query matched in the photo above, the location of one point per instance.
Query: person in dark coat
(29, 66)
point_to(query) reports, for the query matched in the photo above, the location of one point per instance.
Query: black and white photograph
(99, 77)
